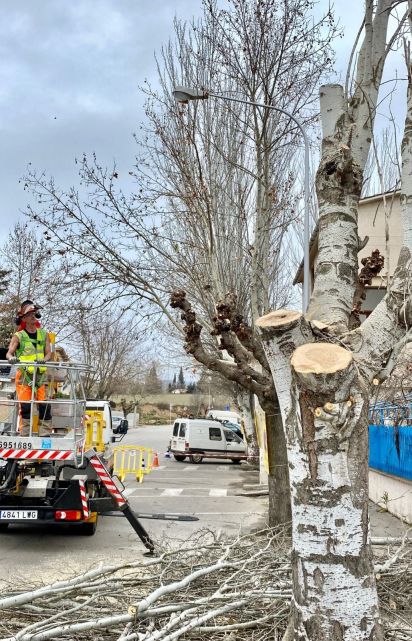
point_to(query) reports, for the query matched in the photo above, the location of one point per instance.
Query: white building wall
(391, 493)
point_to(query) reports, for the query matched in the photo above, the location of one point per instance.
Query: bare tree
(110, 346)
(32, 273)
(323, 371)
(214, 201)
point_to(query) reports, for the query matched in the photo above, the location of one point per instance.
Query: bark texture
(347, 128)
(324, 406)
(322, 369)
(335, 593)
(280, 511)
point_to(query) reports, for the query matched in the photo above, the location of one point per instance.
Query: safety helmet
(26, 307)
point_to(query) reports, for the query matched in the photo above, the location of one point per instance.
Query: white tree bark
(322, 373)
(347, 134)
(373, 342)
(324, 407)
(406, 192)
(336, 591)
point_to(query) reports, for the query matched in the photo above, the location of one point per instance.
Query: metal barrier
(390, 450)
(64, 435)
(396, 412)
(132, 459)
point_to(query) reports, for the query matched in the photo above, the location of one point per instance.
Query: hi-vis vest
(31, 349)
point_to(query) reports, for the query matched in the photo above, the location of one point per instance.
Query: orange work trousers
(24, 393)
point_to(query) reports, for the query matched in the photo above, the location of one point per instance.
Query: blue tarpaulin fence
(390, 438)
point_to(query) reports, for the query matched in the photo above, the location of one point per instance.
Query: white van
(223, 416)
(202, 438)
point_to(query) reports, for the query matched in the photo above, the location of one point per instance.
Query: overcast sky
(69, 77)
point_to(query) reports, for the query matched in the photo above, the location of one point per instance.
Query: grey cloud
(69, 77)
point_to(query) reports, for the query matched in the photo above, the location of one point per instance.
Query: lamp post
(185, 94)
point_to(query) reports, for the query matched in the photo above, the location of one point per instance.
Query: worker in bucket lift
(31, 343)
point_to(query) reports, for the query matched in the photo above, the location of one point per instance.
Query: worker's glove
(41, 361)
(13, 360)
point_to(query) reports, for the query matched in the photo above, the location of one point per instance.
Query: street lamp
(185, 94)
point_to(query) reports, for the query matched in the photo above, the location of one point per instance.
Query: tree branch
(194, 346)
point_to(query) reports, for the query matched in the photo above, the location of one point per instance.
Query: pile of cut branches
(393, 570)
(204, 588)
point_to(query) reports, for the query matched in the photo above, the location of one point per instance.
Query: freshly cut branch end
(318, 325)
(320, 358)
(325, 369)
(280, 318)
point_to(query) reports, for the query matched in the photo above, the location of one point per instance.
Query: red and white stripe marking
(107, 481)
(44, 455)
(83, 496)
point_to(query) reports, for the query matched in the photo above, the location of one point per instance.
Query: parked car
(203, 438)
(224, 415)
(120, 425)
(234, 427)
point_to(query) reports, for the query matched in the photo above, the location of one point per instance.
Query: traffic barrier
(148, 460)
(132, 459)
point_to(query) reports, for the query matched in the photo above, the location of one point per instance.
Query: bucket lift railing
(66, 442)
(69, 446)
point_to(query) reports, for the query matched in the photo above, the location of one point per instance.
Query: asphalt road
(207, 491)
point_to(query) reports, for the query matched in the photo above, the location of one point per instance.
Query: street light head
(184, 94)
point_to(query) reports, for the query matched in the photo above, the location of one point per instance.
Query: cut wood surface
(320, 358)
(278, 318)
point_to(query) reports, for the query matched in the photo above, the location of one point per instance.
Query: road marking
(177, 493)
(175, 479)
(189, 468)
(215, 491)
(210, 513)
(172, 491)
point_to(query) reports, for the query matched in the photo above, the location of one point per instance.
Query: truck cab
(101, 432)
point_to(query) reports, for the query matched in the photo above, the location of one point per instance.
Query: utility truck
(65, 477)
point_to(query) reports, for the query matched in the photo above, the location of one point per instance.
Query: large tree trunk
(334, 585)
(322, 393)
(324, 406)
(278, 479)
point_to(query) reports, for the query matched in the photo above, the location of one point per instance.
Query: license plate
(16, 445)
(18, 515)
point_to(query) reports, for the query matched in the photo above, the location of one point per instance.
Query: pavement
(384, 524)
(207, 492)
(211, 491)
